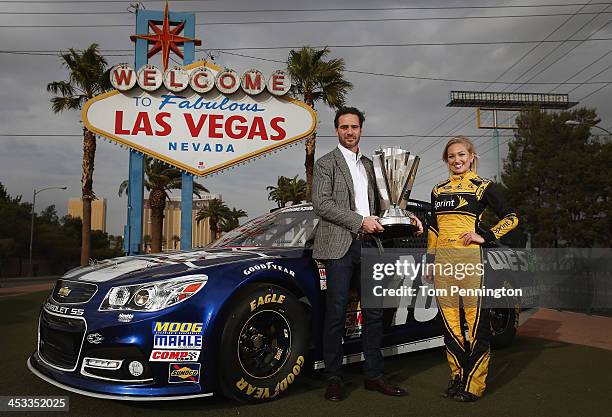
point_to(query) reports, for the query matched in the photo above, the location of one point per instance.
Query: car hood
(147, 267)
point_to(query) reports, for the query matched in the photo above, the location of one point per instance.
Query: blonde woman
(454, 241)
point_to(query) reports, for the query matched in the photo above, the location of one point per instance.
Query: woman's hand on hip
(471, 237)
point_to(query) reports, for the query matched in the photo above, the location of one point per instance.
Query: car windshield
(291, 227)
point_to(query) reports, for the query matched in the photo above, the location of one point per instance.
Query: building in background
(98, 212)
(171, 238)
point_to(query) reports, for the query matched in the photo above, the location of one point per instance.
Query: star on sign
(165, 39)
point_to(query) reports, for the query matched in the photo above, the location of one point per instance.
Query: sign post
(133, 229)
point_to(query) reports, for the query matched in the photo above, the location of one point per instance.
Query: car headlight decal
(144, 296)
(118, 296)
(153, 296)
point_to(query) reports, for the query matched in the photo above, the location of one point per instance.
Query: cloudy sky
(400, 100)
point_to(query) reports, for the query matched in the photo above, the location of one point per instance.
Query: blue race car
(242, 317)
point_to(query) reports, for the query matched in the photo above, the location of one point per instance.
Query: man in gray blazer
(345, 199)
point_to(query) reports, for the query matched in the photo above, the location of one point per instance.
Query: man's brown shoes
(383, 387)
(334, 391)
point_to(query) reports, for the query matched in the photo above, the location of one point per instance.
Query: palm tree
(232, 221)
(315, 79)
(87, 78)
(296, 190)
(160, 179)
(287, 189)
(278, 193)
(216, 212)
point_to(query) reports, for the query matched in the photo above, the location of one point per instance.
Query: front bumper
(100, 389)
(74, 353)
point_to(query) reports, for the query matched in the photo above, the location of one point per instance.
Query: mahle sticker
(175, 341)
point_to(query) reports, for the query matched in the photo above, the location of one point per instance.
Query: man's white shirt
(360, 180)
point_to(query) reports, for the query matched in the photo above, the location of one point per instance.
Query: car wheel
(504, 323)
(263, 344)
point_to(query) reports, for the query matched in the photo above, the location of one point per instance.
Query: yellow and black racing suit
(457, 205)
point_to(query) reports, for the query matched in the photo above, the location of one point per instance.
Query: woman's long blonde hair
(470, 147)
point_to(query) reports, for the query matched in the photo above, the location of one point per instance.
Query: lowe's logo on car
(174, 355)
(166, 327)
(267, 266)
(165, 341)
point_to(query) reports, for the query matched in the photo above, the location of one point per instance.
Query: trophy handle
(409, 183)
(381, 180)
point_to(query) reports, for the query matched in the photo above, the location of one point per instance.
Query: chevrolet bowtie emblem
(95, 338)
(64, 291)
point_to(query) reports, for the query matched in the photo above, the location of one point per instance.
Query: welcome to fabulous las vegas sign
(200, 118)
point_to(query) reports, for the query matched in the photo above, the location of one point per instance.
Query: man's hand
(419, 225)
(371, 225)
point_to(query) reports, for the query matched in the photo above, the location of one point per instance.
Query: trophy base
(398, 223)
(396, 216)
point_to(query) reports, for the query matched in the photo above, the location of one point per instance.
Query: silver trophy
(395, 170)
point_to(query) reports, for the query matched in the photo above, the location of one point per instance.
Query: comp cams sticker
(174, 355)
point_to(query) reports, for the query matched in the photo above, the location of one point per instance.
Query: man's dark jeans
(340, 272)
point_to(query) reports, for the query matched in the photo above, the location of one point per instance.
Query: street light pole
(605, 130)
(32, 221)
(577, 123)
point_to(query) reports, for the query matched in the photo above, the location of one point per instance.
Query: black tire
(504, 323)
(263, 344)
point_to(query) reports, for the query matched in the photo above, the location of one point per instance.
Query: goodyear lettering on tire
(266, 392)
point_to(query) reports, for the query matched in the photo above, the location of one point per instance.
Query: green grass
(532, 378)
